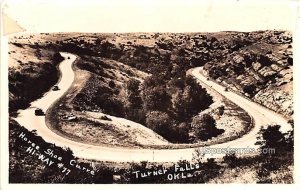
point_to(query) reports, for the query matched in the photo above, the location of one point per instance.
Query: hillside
(32, 71)
(261, 70)
(136, 90)
(142, 77)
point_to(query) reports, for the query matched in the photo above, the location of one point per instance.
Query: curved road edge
(26, 118)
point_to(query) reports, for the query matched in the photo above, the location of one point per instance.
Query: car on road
(226, 89)
(38, 112)
(68, 57)
(69, 117)
(55, 88)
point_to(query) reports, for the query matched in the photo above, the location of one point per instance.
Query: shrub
(231, 160)
(191, 100)
(290, 60)
(250, 89)
(272, 137)
(104, 117)
(221, 110)
(111, 84)
(156, 99)
(205, 127)
(161, 123)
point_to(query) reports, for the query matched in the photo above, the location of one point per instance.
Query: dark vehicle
(226, 89)
(55, 88)
(38, 112)
(68, 57)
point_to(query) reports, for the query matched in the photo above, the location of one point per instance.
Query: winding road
(261, 116)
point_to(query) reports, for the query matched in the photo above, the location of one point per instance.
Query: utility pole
(153, 155)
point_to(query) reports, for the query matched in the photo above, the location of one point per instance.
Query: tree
(290, 138)
(57, 58)
(111, 84)
(264, 60)
(221, 110)
(196, 96)
(181, 133)
(164, 125)
(290, 60)
(231, 160)
(133, 94)
(191, 100)
(159, 122)
(205, 127)
(181, 52)
(283, 143)
(179, 106)
(98, 42)
(272, 137)
(156, 99)
(250, 89)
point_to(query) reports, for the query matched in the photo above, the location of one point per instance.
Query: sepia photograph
(146, 103)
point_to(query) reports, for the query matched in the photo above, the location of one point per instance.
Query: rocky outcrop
(261, 70)
(278, 101)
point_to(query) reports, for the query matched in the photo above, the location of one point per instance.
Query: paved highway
(261, 116)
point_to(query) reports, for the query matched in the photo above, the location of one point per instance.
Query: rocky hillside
(262, 70)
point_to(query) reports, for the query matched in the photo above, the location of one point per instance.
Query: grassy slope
(30, 64)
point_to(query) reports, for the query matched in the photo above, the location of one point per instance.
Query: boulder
(256, 66)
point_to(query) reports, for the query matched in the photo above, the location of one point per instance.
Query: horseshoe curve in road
(261, 115)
